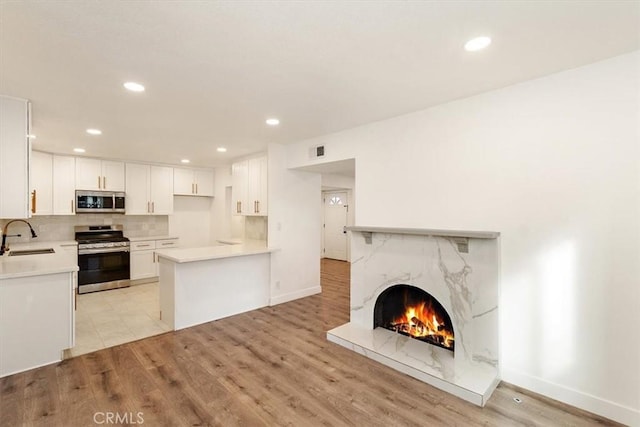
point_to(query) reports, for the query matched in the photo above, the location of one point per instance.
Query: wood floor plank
(268, 367)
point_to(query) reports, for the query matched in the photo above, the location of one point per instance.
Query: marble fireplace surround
(458, 268)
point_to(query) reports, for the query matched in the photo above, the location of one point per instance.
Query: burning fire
(420, 321)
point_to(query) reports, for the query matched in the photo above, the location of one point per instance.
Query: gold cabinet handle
(99, 182)
(33, 201)
(104, 182)
(153, 207)
(72, 209)
(148, 207)
(258, 205)
(196, 188)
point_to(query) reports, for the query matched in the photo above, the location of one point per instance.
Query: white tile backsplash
(255, 227)
(61, 227)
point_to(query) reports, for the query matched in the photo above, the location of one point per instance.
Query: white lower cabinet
(38, 320)
(144, 263)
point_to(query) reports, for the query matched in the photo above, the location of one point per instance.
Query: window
(335, 200)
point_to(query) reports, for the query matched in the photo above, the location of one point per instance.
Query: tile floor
(108, 318)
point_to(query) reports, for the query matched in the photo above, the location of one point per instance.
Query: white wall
(554, 165)
(331, 181)
(221, 205)
(191, 220)
(295, 213)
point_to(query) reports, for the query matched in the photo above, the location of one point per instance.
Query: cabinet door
(204, 182)
(14, 158)
(257, 186)
(143, 264)
(183, 184)
(263, 179)
(161, 190)
(137, 189)
(239, 178)
(113, 176)
(41, 183)
(64, 185)
(88, 174)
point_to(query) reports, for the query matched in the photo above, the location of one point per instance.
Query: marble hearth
(460, 270)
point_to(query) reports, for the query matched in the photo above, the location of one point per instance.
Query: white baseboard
(279, 299)
(605, 408)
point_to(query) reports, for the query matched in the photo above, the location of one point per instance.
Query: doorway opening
(335, 241)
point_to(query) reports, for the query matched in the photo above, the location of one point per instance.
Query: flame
(421, 321)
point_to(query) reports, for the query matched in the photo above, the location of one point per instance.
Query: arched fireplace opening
(413, 312)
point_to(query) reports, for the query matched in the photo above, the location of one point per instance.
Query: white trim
(295, 295)
(587, 402)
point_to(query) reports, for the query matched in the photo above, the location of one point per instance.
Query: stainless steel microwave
(100, 202)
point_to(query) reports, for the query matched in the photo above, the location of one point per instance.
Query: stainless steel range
(103, 258)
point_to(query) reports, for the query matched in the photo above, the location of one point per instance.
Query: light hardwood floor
(268, 367)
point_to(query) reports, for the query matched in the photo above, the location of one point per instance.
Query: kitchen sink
(32, 252)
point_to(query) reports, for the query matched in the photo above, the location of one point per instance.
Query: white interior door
(335, 221)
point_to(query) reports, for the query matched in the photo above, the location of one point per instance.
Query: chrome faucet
(3, 247)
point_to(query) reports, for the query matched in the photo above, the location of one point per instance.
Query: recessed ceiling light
(94, 131)
(221, 150)
(272, 122)
(31, 136)
(134, 87)
(79, 150)
(185, 161)
(477, 43)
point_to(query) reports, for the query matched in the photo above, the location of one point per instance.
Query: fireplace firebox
(413, 312)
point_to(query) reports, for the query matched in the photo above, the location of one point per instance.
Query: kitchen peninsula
(198, 285)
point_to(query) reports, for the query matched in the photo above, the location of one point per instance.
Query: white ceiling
(214, 71)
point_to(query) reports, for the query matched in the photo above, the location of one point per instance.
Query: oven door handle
(102, 250)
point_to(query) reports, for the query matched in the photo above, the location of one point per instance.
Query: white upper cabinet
(183, 182)
(137, 189)
(161, 190)
(52, 184)
(239, 187)
(102, 175)
(149, 189)
(64, 185)
(41, 183)
(204, 182)
(15, 150)
(192, 182)
(257, 191)
(249, 187)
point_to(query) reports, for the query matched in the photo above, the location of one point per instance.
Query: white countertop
(61, 261)
(182, 255)
(230, 240)
(148, 238)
